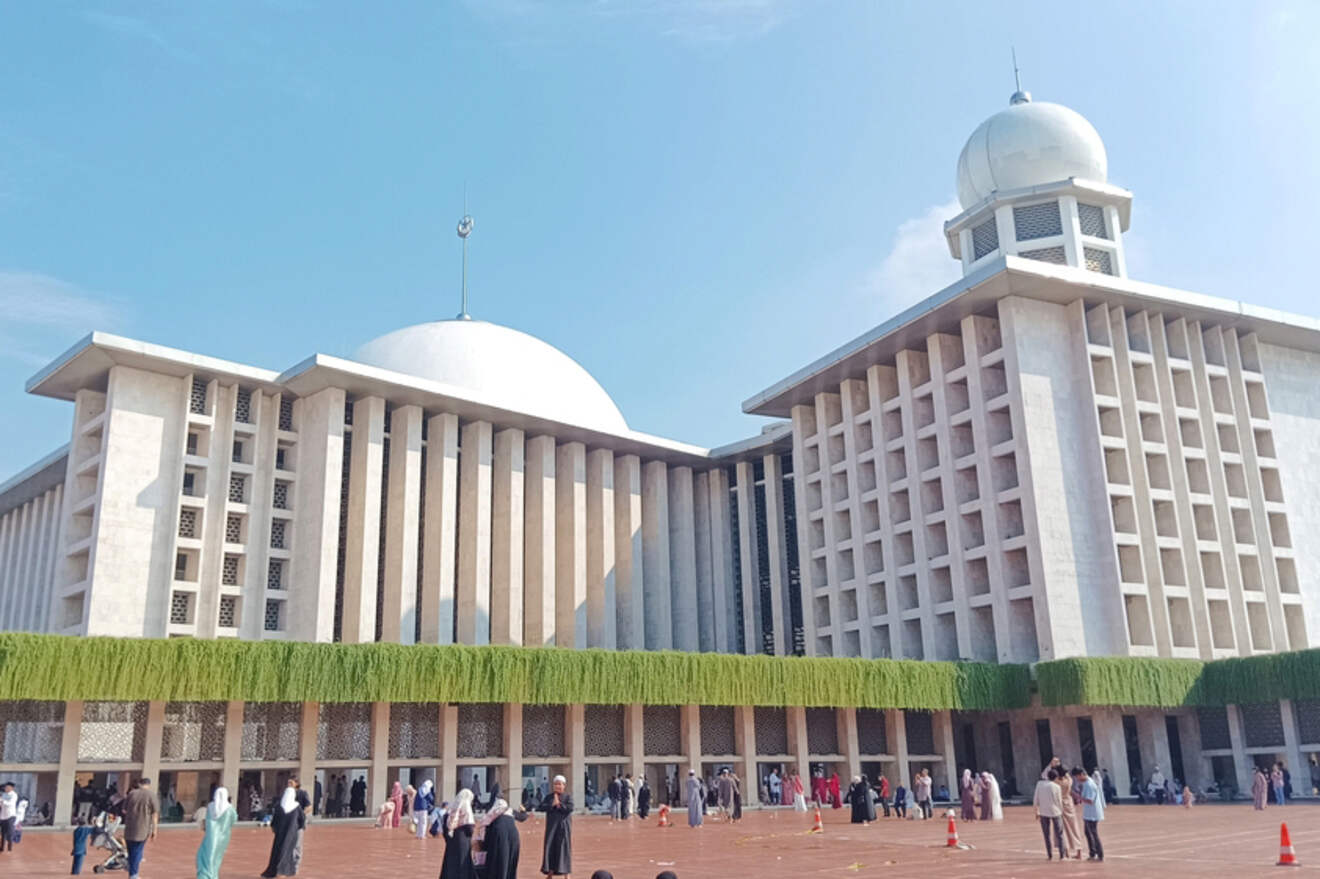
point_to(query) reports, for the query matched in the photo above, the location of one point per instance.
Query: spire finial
(1019, 96)
(464, 230)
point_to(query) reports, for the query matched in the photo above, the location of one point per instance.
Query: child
(1188, 797)
(81, 831)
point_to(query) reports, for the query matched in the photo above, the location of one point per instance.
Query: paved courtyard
(1210, 841)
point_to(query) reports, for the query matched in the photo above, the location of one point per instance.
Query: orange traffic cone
(817, 827)
(1287, 857)
(664, 815)
(953, 834)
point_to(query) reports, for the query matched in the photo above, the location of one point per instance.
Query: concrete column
(574, 736)
(943, 729)
(233, 753)
(474, 500)
(513, 752)
(1243, 764)
(721, 563)
(72, 730)
(896, 739)
(683, 561)
(307, 733)
(506, 539)
(1154, 738)
(1111, 748)
(744, 734)
(1026, 751)
(602, 600)
(628, 585)
(311, 609)
(749, 553)
(777, 535)
(1296, 760)
(797, 742)
(378, 786)
(707, 622)
(362, 548)
(1064, 737)
(633, 740)
(655, 556)
(539, 543)
(399, 610)
(446, 780)
(571, 546)
(690, 741)
(848, 742)
(152, 741)
(441, 529)
(1195, 764)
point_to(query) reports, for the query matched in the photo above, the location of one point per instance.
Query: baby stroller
(106, 836)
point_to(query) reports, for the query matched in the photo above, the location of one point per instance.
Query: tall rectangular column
(798, 745)
(633, 741)
(655, 556)
(441, 531)
(308, 729)
(474, 534)
(446, 781)
(571, 545)
(575, 737)
(1243, 765)
(749, 552)
(513, 752)
(602, 602)
(628, 585)
(942, 721)
(683, 561)
(316, 502)
(690, 742)
(151, 743)
(1154, 737)
(233, 747)
(399, 610)
(69, 736)
(1294, 758)
(539, 533)
(744, 736)
(896, 739)
(506, 539)
(848, 741)
(777, 534)
(707, 616)
(362, 540)
(378, 786)
(1111, 747)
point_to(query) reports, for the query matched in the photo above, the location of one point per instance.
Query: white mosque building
(1046, 459)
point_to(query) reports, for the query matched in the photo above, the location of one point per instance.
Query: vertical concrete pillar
(1195, 764)
(721, 563)
(571, 546)
(308, 730)
(707, 622)
(446, 781)
(749, 553)
(233, 747)
(896, 738)
(539, 543)
(575, 726)
(316, 516)
(797, 742)
(152, 741)
(1026, 751)
(634, 742)
(399, 610)
(655, 556)
(513, 752)
(628, 585)
(1063, 735)
(777, 535)
(683, 560)
(1111, 748)
(69, 737)
(690, 742)
(602, 606)
(943, 729)
(362, 547)
(744, 734)
(1294, 758)
(1154, 738)
(848, 741)
(1243, 764)
(378, 786)
(506, 539)
(474, 502)
(441, 534)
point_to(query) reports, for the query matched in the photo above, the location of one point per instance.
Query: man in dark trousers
(614, 791)
(141, 817)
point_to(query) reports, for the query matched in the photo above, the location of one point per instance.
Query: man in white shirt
(1048, 802)
(8, 812)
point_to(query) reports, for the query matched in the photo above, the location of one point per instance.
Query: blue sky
(691, 197)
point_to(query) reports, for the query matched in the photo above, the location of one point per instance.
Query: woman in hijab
(799, 801)
(497, 842)
(1259, 790)
(458, 839)
(219, 822)
(992, 808)
(288, 820)
(396, 797)
(1072, 827)
(737, 797)
(966, 790)
(422, 805)
(857, 798)
(557, 856)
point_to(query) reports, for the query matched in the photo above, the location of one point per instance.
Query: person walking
(422, 805)
(921, 792)
(1072, 827)
(1259, 789)
(141, 820)
(218, 823)
(1093, 812)
(459, 825)
(8, 814)
(557, 854)
(724, 788)
(1048, 805)
(967, 794)
(644, 800)
(1277, 780)
(288, 820)
(695, 799)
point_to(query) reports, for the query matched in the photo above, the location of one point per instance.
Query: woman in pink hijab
(396, 797)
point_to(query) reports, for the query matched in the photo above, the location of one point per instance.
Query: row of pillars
(689, 754)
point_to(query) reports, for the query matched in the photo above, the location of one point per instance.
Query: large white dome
(1029, 144)
(499, 366)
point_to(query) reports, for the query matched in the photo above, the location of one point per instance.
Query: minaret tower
(1032, 182)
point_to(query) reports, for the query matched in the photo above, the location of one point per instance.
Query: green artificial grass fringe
(1126, 681)
(60, 668)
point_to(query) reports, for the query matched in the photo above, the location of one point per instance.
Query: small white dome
(1028, 144)
(499, 366)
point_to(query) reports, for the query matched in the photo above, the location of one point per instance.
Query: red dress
(836, 799)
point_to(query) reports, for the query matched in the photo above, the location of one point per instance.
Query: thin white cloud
(40, 315)
(697, 21)
(918, 263)
(134, 28)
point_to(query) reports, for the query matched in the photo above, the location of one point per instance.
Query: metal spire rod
(464, 230)
(1017, 79)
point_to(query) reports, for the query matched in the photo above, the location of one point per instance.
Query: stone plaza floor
(1208, 841)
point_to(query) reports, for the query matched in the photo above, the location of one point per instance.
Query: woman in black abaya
(459, 824)
(288, 820)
